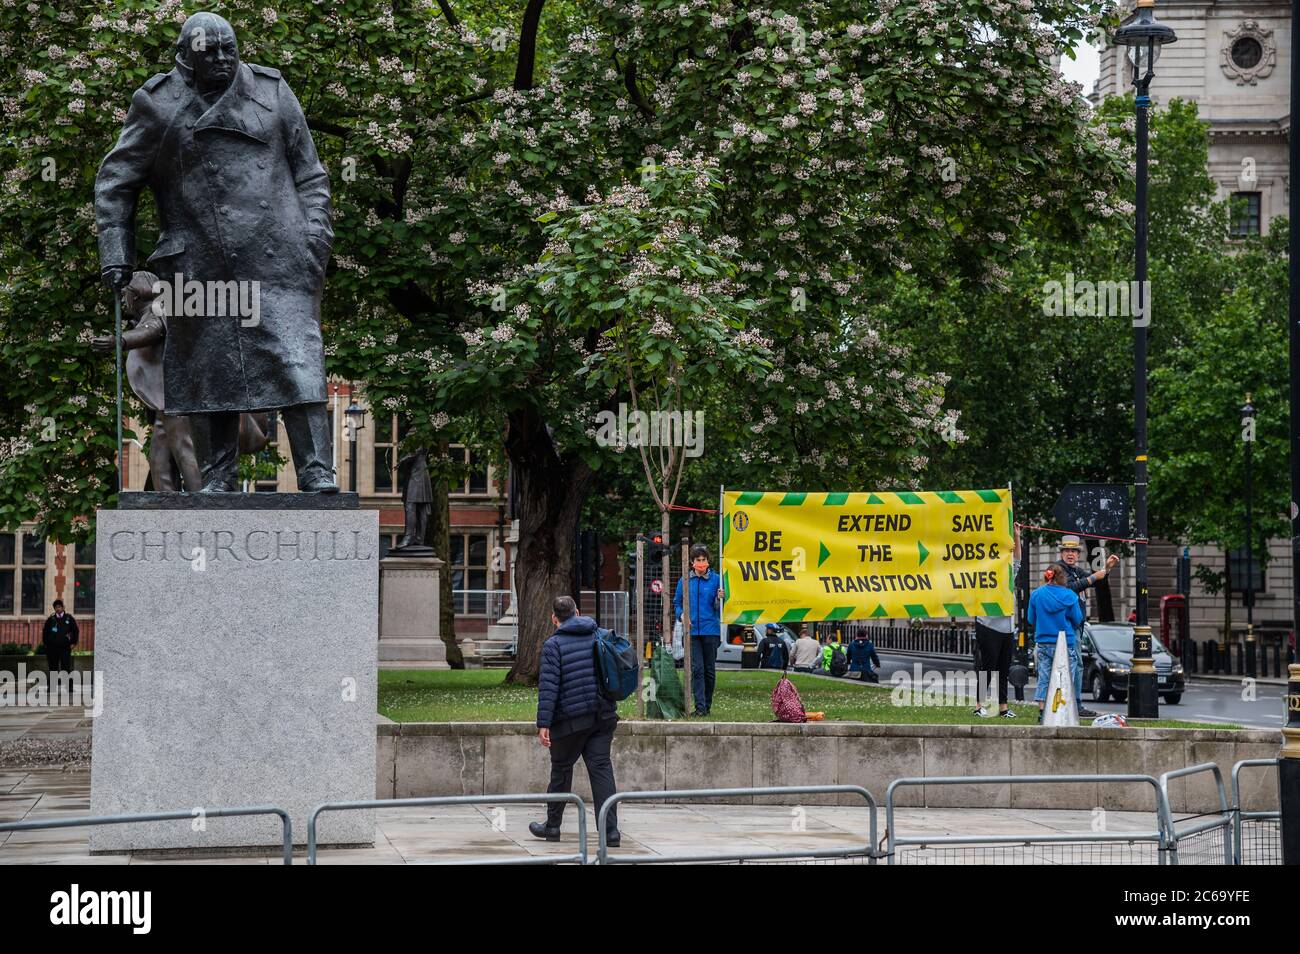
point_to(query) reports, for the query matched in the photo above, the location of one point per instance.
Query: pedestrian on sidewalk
(573, 718)
(772, 652)
(706, 630)
(59, 636)
(862, 655)
(1080, 581)
(1053, 609)
(995, 640)
(807, 653)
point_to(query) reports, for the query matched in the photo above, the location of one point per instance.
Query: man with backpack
(574, 717)
(772, 652)
(862, 654)
(835, 662)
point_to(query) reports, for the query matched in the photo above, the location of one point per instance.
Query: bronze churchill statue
(244, 209)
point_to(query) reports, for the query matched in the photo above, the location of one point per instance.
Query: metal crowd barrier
(542, 798)
(866, 851)
(1095, 847)
(1262, 829)
(83, 821)
(943, 642)
(1208, 841)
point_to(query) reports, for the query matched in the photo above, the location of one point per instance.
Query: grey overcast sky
(1083, 68)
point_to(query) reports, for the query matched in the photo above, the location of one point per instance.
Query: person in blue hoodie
(1053, 609)
(573, 718)
(706, 630)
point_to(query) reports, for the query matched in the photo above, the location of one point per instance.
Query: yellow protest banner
(791, 557)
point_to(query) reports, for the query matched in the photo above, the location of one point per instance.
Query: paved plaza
(61, 787)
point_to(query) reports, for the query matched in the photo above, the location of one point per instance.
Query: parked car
(738, 636)
(1108, 658)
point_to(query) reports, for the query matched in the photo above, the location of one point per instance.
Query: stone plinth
(238, 653)
(409, 630)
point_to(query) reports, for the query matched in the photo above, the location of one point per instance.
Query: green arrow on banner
(923, 552)
(879, 611)
(824, 554)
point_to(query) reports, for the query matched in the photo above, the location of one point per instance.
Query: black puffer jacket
(566, 686)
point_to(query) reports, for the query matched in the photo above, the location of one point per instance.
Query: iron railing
(846, 854)
(567, 797)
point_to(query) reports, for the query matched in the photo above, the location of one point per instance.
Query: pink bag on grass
(786, 704)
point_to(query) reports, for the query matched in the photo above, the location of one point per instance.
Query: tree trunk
(551, 492)
(438, 536)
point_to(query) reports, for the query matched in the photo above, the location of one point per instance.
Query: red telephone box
(1174, 622)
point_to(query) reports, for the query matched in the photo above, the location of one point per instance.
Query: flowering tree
(850, 145)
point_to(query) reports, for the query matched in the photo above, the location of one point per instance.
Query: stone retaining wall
(476, 758)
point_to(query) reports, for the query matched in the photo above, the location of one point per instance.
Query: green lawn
(478, 695)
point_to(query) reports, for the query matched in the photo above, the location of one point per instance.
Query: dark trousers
(995, 656)
(310, 443)
(704, 670)
(59, 660)
(593, 746)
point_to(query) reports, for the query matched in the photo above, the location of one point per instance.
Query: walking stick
(117, 337)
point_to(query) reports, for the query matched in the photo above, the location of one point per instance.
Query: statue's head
(139, 293)
(208, 50)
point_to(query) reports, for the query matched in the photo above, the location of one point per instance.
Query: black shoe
(699, 713)
(544, 831)
(320, 485)
(1086, 713)
(614, 839)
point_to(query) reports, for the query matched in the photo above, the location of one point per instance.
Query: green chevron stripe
(835, 500)
(994, 609)
(990, 496)
(793, 500)
(749, 499)
(840, 612)
(908, 497)
(749, 616)
(879, 611)
(916, 609)
(949, 496)
(726, 531)
(873, 499)
(956, 609)
(795, 615)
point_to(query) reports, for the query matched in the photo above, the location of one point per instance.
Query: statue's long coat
(241, 195)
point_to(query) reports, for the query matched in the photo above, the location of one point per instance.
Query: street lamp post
(1143, 36)
(1288, 769)
(356, 418)
(1248, 438)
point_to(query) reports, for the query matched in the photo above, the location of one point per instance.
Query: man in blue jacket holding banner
(706, 629)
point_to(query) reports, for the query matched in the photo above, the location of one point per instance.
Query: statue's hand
(116, 277)
(320, 253)
(103, 344)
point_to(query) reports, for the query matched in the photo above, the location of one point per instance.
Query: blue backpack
(617, 667)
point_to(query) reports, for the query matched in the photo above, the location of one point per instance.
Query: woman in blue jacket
(706, 630)
(1053, 609)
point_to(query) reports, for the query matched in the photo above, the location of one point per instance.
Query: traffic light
(656, 549)
(588, 558)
